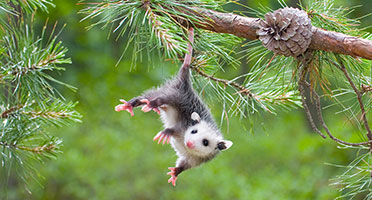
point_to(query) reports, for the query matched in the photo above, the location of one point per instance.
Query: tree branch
(246, 27)
(301, 84)
(307, 110)
(324, 125)
(219, 22)
(359, 97)
(37, 150)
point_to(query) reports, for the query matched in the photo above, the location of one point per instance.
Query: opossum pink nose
(190, 144)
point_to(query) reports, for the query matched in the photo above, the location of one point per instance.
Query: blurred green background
(112, 156)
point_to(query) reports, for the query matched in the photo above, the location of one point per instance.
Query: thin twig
(361, 105)
(241, 88)
(48, 114)
(324, 125)
(307, 111)
(302, 83)
(304, 104)
(8, 112)
(365, 88)
(39, 66)
(37, 150)
(359, 97)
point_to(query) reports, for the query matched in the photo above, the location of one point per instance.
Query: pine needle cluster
(29, 102)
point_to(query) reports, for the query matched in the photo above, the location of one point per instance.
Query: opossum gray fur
(188, 123)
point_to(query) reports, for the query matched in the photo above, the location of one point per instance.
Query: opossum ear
(224, 145)
(195, 118)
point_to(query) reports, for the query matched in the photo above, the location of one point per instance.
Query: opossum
(188, 123)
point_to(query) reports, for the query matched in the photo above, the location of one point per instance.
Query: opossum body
(188, 123)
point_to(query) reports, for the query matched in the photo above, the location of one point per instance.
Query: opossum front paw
(162, 135)
(125, 106)
(173, 177)
(148, 107)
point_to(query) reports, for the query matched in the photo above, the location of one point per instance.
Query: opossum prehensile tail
(188, 123)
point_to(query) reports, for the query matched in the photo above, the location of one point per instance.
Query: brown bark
(341, 43)
(218, 22)
(246, 27)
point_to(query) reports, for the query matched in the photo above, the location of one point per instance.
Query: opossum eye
(205, 142)
(194, 131)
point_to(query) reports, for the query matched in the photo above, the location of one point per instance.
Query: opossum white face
(203, 140)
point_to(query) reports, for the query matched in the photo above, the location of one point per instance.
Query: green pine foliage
(273, 83)
(29, 6)
(29, 102)
(154, 30)
(355, 182)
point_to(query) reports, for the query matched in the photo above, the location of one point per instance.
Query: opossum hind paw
(173, 177)
(162, 136)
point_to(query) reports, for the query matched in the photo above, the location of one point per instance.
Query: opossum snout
(190, 144)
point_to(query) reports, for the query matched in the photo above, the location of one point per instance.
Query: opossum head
(204, 140)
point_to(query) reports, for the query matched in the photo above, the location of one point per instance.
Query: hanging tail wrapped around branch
(184, 70)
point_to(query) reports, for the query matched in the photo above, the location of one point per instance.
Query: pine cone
(286, 31)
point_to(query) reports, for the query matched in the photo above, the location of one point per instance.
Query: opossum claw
(168, 140)
(165, 139)
(148, 107)
(161, 138)
(156, 110)
(125, 106)
(157, 136)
